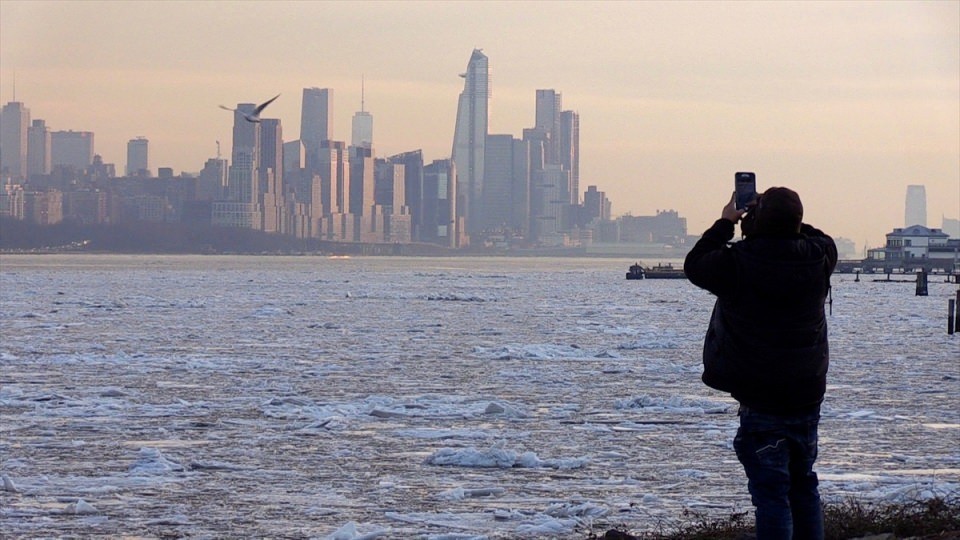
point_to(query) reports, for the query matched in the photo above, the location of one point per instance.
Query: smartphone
(745, 185)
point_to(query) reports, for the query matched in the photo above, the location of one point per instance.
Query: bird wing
(227, 108)
(263, 105)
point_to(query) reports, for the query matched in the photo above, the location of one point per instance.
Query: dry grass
(932, 519)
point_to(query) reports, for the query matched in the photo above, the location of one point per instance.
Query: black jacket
(767, 339)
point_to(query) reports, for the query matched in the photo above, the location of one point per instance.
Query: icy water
(307, 397)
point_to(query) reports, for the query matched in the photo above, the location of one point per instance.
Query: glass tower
(469, 139)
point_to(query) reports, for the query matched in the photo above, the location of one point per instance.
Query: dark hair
(779, 211)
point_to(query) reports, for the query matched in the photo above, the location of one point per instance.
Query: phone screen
(745, 184)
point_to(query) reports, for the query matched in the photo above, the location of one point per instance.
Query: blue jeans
(777, 453)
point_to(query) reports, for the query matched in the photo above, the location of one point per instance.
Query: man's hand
(730, 212)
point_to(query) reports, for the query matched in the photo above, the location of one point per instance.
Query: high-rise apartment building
(71, 149)
(916, 206)
(14, 123)
(316, 118)
(38, 148)
(469, 138)
(138, 163)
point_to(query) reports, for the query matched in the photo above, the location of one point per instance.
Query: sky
(848, 103)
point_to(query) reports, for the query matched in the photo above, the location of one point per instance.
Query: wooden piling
(951, 314)
(922, 283)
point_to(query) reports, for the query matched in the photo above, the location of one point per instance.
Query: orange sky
(846, 102)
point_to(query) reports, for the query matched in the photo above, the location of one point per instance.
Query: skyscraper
(38, 148)
(570, 151)
(137, 157)
(242, 205)
(316, 118)
(469, 138)
(362, 133)
(548, 105)
(71, 149)
(506, 185)
(14, 123)
(916, 206)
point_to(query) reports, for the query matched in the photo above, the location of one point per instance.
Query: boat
(664, 271)
(635, 272)
(660, 271)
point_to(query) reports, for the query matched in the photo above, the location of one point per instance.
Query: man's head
(779, 212)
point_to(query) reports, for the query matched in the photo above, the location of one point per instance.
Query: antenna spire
(362, 96)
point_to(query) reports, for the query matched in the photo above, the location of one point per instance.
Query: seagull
(255, 115)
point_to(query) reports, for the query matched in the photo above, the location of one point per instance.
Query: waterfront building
(138, 163)
(439, 223)
(71, 149)
(469, 139)
(14, 123)
(38, 149)
(915, 209)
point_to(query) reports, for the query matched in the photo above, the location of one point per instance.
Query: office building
(916, 206)
(138, 157)
(316, 118)
(362, 126)
(547, 118)
(439, 221)
(14, 123)
(570, 151)
(241, 206)
(470, 135)
(72, 149)
(38, 149)
(506, 204)
(412, 162)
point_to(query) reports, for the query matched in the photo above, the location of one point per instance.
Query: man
(767, 346)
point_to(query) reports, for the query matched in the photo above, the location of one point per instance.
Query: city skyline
(834, 100)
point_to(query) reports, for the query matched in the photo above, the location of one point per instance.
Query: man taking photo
(766, 345)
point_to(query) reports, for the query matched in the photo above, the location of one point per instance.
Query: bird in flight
(255, 115)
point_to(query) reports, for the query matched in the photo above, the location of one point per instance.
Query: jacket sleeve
(710, 265)
(824, 240)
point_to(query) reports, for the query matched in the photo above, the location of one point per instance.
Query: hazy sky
(846, 102)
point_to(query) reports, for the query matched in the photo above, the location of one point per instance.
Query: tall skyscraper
(242, 205)
(506, 184)
(469, 138)
(14, 123)
(71, 149)
(439, 223)
(316, 117)
(916, 206)
(362, 134)
(138, 157)
(38, 148)
(570, 151)
(548, 106)
(412, 162)
(270, 175)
